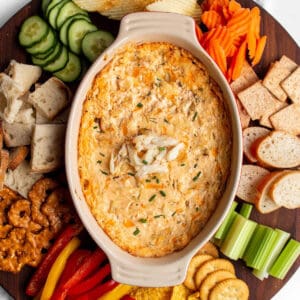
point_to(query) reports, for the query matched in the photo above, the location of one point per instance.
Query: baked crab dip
(154, 148)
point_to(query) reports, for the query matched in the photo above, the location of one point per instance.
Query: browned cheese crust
(146, 96)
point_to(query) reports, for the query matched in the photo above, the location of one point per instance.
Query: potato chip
(195, 296)
(195, 263)
(211, 280)
(210, 266)
(94, 5)
(180, 292)
(186, 7)
(162, 293)
(230, 289)
(210, 249)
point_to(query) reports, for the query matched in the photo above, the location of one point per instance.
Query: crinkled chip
(163, 293)
(195, 296)
(180, 292)
(185, 7)
(230, 289)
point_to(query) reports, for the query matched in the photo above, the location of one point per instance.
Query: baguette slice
(21, 179)
(285, 190)
(251, 175)
(47, 147)
(291, 86)
(16, 156)
(250, 135)
(263, 202)
(278, 150)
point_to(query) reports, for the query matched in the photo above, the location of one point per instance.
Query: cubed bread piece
(16, 156)
(12, 94)
(276, 73)
(17, 134)
(287, 119)
(251, 175)
(47, 147)
(50, 98)
(250, 135)
(258, 101)
(23, 75)
(246, 79)
(263, 202)
(278, 149)
(21, 179)
(291, 86)
(4, 157)
(62, 118)
(285, 190)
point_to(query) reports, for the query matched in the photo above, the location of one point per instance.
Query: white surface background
(287, 12)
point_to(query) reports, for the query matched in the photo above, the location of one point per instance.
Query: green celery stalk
(226, 224)
(263, 248)
(286, 259)
(238, 237)
(278, 244)
(246, 210)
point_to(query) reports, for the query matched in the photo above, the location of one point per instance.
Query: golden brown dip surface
(154, 148)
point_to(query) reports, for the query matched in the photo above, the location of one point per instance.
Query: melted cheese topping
(162, 90)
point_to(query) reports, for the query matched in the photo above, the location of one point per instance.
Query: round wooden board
(279, 43)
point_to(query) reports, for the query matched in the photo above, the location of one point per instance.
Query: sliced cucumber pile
(68, 32)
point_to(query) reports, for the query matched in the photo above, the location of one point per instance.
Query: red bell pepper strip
(96, 292)
(39, 277)
(91, 281)
(90, 265)
(127, 297)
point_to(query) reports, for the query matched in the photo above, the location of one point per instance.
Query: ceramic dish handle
(158, 25)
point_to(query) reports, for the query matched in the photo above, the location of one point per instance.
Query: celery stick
(246, 210)
(286, 259)
(226, 224)
(262, 249)
(238, 237)
(277, 246)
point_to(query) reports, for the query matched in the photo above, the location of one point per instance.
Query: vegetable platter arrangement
(259, 246)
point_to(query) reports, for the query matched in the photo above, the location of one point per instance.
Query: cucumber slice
(59, 63)
(77, 30)
(94, 43)
(71, 71)
(51, 4)
(53, 55)
(45, 4)
(33, 30)
(63, 31)
(53, 13)
(68, 10)
(44, 45)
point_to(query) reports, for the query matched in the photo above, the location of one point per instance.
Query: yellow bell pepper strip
(40, 275)
(58, 267)
(117, 293)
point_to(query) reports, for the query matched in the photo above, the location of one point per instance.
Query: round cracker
(211, 280)
(210, 249)
(230, 289)
(195, 263)
(211, 266)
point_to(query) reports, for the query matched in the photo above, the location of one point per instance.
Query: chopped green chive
(95, 127)
(99, 162)
(157, 180)
(195, 166)
(161, 148)
(136, 232)
(102, 154)
(166, 121)
(163, 193)
(148, 180)
(139, 104)
(158, 216)
(195, 116)
(197, 176)
(197, 208)
(131, 174)
(173, 214)
(152, 198)
(182, 165)
(142, 220)
(103, 172)
(144, 162)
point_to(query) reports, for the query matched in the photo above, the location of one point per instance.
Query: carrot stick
(239, 61)
(259, 50)
(252, 32)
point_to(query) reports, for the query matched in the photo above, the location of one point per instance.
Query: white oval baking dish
(171, 269)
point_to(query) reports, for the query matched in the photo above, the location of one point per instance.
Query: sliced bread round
(263, 201)
(278, 149)
(285, 190)
(250, 135)
(251, 175)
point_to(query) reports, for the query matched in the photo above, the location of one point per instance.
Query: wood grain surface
(279, 43)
